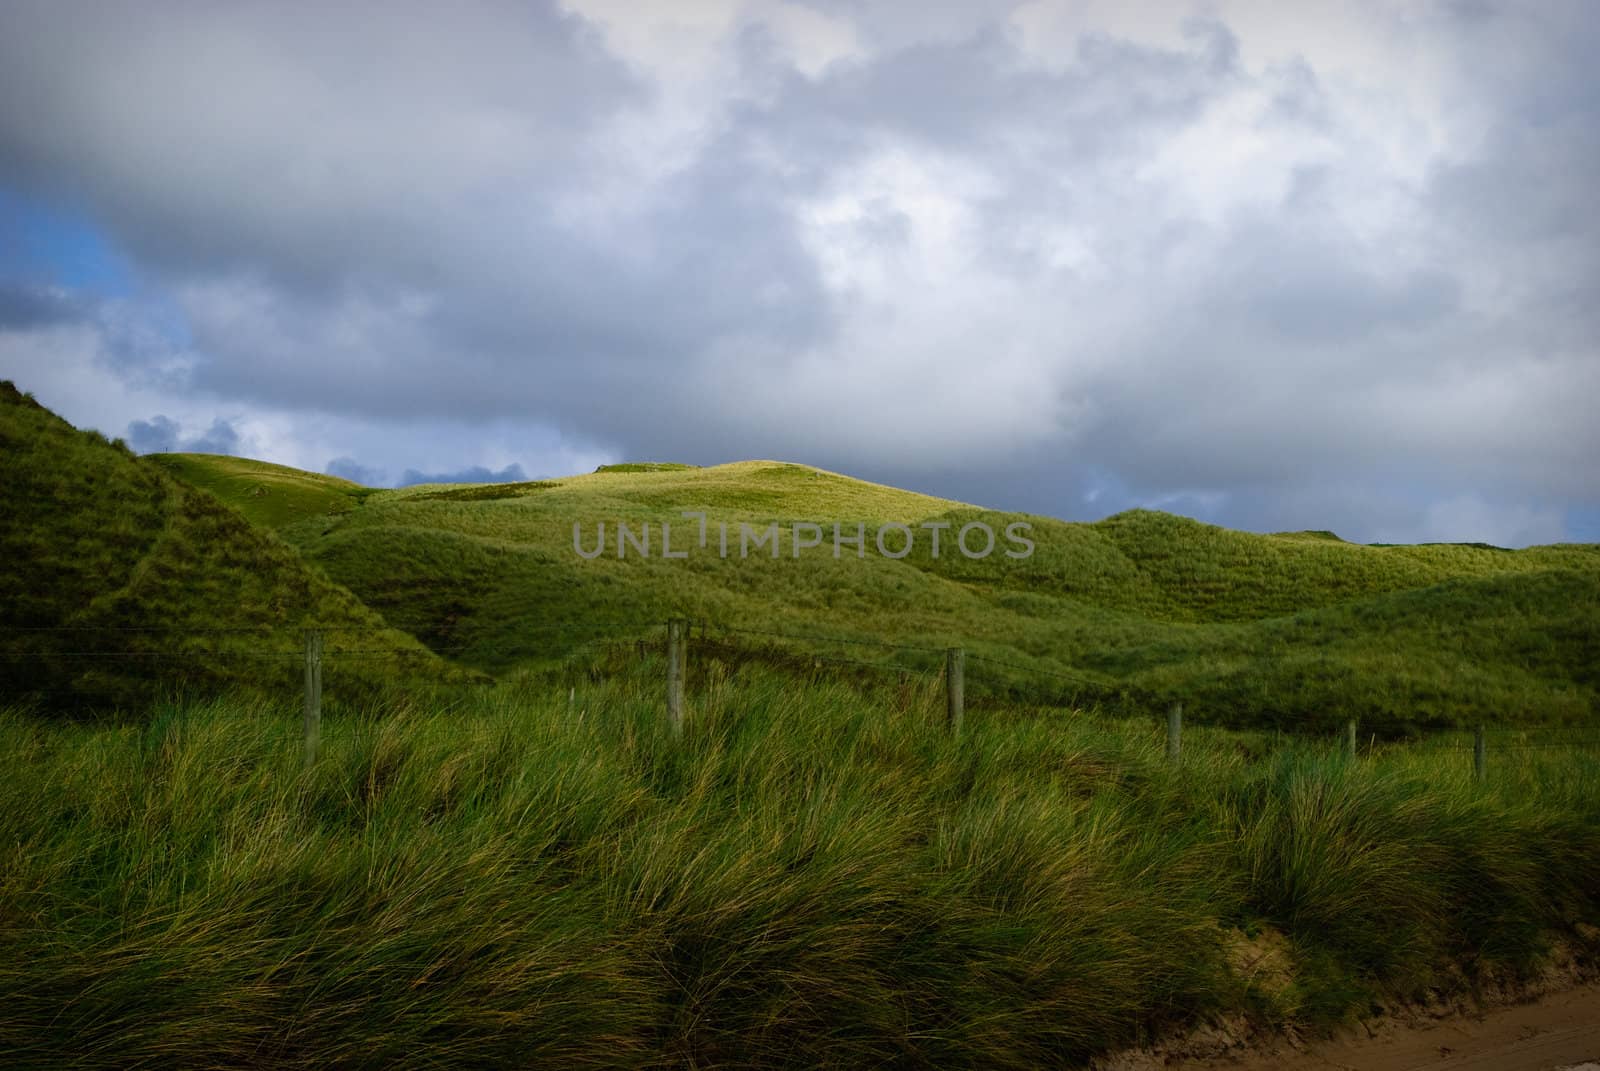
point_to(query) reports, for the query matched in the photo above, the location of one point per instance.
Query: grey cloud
(254, 126)
(1318, 293)
(24, 308)
(163, 435)
(974, 95)
(349, 469)
(158, 435)
(135, 338)
(450, 226)
(220, 438)
(532, 315)
(476, 474)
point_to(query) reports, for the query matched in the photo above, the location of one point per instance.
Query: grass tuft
(813, 876)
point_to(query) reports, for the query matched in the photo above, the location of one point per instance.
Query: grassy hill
(1139, 608)
(268, 494)
(123, 582)
(810, 873)
(810, 877)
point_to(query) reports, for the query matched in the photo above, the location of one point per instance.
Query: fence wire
(567, 638)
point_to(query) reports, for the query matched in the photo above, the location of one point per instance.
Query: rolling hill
(268, 494)
(1138, 609)
(809, 873)
(123, 583)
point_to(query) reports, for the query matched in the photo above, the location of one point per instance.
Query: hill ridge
(1244, 627)
(1247, 626)
(124, 582)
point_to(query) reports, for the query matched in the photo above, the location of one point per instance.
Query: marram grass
(151, 564)
(1255, 630)
(814, 876)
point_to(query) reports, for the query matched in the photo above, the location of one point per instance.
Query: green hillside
(1141, 608)
(811, 870)
(811, 876)
(271, 495)
(122, 582)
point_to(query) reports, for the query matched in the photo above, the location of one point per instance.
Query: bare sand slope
(1560, 1032)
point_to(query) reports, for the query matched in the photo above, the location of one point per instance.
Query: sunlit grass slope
(120, 581)
(268, 494)
(1247, 628)
(811, 877)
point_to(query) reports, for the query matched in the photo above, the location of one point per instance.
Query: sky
(1274, 266)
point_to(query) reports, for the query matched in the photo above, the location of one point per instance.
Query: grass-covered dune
(1139, 608)
(270, 495)
(813, 876)
(121, 582)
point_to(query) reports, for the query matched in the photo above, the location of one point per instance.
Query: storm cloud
(1290, 266)
(350, 469)
(477, 474)
(161, 434)
(26, 308)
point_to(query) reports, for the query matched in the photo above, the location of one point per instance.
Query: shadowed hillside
(1140, 608)
(122, 582)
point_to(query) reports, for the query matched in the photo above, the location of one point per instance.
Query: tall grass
(1135, 610)
(812, 876)
(122, 582)
(1256, 629)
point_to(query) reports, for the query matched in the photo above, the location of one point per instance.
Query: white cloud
(74, 371)
(1470, 519)
(1204, 252)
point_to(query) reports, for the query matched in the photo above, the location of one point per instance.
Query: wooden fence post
(675, 675)
(1479, 754)
(955, 665)
(312, 720)
(1174, 732)
(1350, 738)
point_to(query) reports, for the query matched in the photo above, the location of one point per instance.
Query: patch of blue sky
(47, 244)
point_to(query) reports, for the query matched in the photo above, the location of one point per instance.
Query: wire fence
(44, 659)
